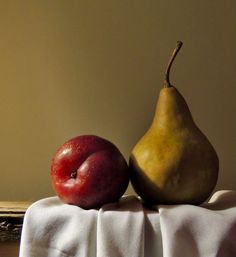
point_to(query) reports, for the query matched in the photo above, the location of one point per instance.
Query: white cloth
(129, 229)
(123, 229)
(208, 230)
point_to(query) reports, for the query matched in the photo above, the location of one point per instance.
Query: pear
(174, 162)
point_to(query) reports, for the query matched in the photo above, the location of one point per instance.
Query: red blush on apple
(89, 171)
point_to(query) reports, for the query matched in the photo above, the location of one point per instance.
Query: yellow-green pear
(174, 162)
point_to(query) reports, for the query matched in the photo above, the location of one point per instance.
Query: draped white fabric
(123, 229)
(208, 230)
(129, 229)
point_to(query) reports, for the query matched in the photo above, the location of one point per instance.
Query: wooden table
(11, 221)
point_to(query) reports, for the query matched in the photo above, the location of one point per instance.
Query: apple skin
(89, 171)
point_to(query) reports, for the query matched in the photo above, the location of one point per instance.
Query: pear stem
(167, 74)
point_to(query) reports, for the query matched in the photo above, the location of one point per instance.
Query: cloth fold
(130, 229)
(208, 230)
(123, 229)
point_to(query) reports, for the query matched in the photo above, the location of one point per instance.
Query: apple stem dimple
(167, 74)
(73, 174)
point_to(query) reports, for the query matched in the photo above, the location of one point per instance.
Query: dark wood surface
(11, 221)
(9, 249)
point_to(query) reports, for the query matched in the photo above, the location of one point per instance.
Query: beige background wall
(96, 67)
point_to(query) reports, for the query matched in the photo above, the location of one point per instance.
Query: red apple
(89, 171)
